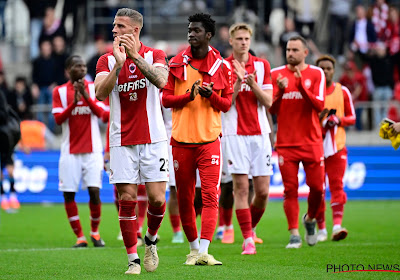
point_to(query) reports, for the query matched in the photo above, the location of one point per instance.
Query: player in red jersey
(132, 76)
(299, 95)
(246, 130)
(76, 109)
(199, 88)
(338, 113)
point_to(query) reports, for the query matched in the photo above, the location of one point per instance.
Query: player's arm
(97, 108)
(349, 117)
(278, 90)
(316, 97)
(169, 100)
(157, 74)
(60, 114)
(104, 83)
(264, 96)
(223, 103)
(240, 73)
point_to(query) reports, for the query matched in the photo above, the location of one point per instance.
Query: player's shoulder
(345, 89)
(147, 49)
(315, 69)
(278, 69)
(106, 55)
(259, 59)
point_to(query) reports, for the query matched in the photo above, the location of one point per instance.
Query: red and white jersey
(135, 112)
(298, 108)
(80, 130)
(247, 116)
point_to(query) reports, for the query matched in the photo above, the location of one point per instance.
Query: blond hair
(239, 26)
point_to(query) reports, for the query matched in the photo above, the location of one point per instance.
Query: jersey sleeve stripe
(346, 90)
(104, 73)
(267, 86)
(321, 83)
(259, 67)
(57, 110)
(158, 65)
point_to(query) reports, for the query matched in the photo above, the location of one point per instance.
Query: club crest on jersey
(132, 67)
(133, 96)
(307, 83)
(176, 165)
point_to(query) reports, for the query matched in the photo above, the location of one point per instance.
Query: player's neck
(139, 46)
(301, 65)
(199, 52)
(241, 57)
(328, 84)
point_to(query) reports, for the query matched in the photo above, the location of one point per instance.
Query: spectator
(60, 56)
(382, 75)
(3, 83)
(339, 11)
(290, 31)
(51, 26)
(355, 81)
(43, 78)
(392, 37)
(380, 15)
(37, 10)
(305, 15)
(101, 48)
(222, 41)
(20, 99)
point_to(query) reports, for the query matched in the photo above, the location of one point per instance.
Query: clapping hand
(282, 82)
(195, 89)
(206, 91)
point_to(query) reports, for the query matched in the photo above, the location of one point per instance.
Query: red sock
(73, 218)
(244, 219)
(128, 224)
(155, 216)
(142, 213)
(256, 214)
(337, 212)
(227, 216)
(221, 220)
(198, 211)
(175, 222)
(95, 213)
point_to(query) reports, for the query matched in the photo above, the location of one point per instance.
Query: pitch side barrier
(372, 173)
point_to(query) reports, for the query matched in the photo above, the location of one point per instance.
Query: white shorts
(74, 167)
(249, 154)
(138, 164)
(226, 177)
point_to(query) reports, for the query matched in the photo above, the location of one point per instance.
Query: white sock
(323, 231)
(336, 227)
(220, 228)
(204, 243)
(194, 245)
(83, 238)
(230, 227)
(132, 257)
(151, 237)
(247, 240)
(94, 233)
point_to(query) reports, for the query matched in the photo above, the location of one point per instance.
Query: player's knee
(262, 194)
(157, 201)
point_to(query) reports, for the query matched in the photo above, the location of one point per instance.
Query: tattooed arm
(158, 76)
(105, 83)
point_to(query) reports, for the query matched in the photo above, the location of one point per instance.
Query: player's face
(78, 69)
(197, 35)
(329, 70)
(296, 52)
(240, 41)
(123, 25)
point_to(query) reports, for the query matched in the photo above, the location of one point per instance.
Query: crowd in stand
(367, 47)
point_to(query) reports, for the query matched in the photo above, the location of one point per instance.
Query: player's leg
(5, 205)
(141, 209)
(124, 161)
(116, 203)
(335, 168)
(314, 169)
(174, 217)
(322, 232)
(226, 209)
(185, 178)
(92, 166)
(154, 173)
(289, 168)
(70, 173)
(14, 203)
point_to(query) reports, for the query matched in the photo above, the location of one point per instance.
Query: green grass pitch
(35, 244)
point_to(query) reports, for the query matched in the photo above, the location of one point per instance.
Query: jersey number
(268, 160)
(164, 165)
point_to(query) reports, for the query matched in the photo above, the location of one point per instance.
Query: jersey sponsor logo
(292, 95)
(132, 68)
(307, 83)
(245, 87)
(131, 86)
(81, 110)
(132, 76)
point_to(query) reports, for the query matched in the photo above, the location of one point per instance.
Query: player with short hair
(199, 88)
(132, 76)
(76, 109)
(337, 114)
(299, 96)
(246, 130)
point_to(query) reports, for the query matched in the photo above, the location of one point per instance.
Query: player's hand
(332, 121)
(395, 127)
(79, 86)
(239, 69)
(77, 97)
(297, 74)
(119, 52)
(128, 41)
(251, 79)
(323, 114)
(206, 91)
(282, 82)
(195, 89)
